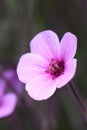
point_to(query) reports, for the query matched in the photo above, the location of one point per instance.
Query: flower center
(55, 68)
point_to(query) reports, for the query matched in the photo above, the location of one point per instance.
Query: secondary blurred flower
(11, 76)
(7, 101)
(50, 65)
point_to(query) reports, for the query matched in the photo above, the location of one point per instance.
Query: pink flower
(7, 101)
(50, 65)
(11, 76)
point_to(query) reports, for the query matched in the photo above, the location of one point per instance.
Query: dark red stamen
(55, 68)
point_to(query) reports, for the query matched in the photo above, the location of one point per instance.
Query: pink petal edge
(30, 65)
(69, 73)
(41, 87)
(68, 46)
(46, 44)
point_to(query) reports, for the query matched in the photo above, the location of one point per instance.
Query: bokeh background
(20, 20)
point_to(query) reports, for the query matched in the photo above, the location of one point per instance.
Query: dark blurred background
(20, 20)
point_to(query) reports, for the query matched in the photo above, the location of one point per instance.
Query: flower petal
(8, 104)
(30, 65)
(11, 76)
(41, 87)
(68, 46)
(70, 69)
(46, 44)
